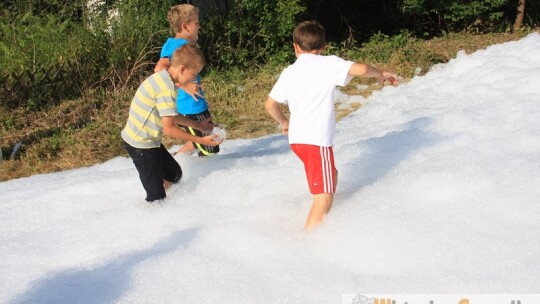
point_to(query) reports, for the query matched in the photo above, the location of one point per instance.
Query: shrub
(252, 32)
(52, 56)
(430, 17)
(41, 60)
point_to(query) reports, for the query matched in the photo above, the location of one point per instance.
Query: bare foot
(187, 148)
(166, 185)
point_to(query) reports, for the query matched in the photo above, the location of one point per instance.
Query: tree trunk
(520, 15)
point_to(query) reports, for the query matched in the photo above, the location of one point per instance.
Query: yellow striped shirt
(155, 98)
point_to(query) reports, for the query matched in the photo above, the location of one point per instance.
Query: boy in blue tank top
(184, 21)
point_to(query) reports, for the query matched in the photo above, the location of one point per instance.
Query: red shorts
(319, 165)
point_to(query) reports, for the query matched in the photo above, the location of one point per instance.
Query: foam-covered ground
(439, 193)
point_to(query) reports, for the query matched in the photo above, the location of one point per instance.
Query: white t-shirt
(307, 86)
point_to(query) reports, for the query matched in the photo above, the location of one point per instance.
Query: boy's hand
(285, 127)
(193, 89)
(210, 140)
(390, 77)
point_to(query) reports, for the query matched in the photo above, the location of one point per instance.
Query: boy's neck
(315, 52)
(180, 36)
(298, 51)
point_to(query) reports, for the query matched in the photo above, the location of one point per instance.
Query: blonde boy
(307, 86)
(184, 21)
(153, 113)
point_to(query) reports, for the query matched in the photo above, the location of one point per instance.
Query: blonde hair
(189, 55)
(181, 13)
(309, 35)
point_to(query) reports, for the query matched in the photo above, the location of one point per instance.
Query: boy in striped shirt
(153, 113)
(307, 86)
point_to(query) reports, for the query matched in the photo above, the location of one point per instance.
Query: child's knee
(177, 177)
(323, 200)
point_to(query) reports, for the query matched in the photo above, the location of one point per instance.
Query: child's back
(307, 86)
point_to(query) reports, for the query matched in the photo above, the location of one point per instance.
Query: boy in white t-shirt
(307, 86)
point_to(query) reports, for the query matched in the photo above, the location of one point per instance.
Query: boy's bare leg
(167, 184)
(187, 147)
(321, 206)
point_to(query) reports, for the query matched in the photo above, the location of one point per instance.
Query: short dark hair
(309, 35)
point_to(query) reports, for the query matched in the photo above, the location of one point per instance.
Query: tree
(520, 15)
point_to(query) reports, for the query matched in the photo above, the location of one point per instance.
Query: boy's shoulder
(175, 42)
(171, 45)
(318, 57)
(160, 74)
(316, 61)
(161, 79)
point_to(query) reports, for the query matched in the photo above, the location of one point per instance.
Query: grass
(85, 132)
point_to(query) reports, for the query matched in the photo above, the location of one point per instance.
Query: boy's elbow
(267, 107)
(168, 130)
(270, 105)
(162, 64)
(158, 68)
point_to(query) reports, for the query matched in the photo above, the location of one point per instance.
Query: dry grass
(86, 132)
(71, 135)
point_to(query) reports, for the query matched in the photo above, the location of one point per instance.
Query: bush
(41, 60)
(252, 32)
(30, 42)
(47, 57)
(134, 31)
(434, 17)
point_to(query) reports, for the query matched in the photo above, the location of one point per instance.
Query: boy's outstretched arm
(203, 125)
(366, 70)
(272, 107)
